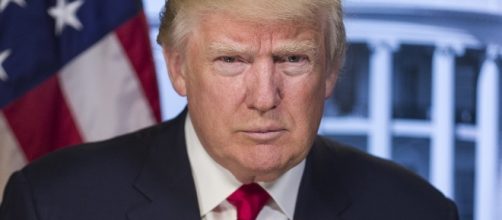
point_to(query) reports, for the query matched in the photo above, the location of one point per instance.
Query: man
(255, 74)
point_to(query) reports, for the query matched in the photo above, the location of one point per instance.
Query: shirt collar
(214, 183)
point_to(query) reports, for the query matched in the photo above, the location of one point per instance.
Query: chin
(268, 169)
(263, 162)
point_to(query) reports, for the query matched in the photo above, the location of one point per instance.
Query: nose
(263, 87)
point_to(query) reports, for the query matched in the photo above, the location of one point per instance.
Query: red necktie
(249, 199)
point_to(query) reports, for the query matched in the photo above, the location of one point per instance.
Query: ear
(331, 77)
(175, 62)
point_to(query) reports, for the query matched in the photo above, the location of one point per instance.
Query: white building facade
(424, 75)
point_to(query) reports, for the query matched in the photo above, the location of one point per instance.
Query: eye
(291, 59)
(228, 59)
(295, 58)
(229, 65)
(294, 64)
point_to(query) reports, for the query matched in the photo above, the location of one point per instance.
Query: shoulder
(89, 181)
(104, 162)
(359, 164)
(82, 161)
(383, 186)
(354, 165)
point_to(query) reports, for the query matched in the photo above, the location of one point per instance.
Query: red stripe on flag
(133, 36)
(41, 120)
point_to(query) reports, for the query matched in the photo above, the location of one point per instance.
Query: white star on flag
(3, 57)
(65, 14)
(4, 3)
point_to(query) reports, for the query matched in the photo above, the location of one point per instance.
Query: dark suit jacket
(146, 176)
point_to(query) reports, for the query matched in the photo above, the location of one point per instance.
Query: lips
(264, 134)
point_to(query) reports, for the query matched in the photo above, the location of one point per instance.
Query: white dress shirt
(214, 184)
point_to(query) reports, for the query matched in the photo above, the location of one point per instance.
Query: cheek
(216, 97)
(306, 102)
(224, 93)
(306, 93)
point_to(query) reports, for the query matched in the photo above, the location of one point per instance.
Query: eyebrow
(288, 47)
(220, 47)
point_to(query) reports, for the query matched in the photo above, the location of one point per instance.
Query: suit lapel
(322, 194)
(166, 178)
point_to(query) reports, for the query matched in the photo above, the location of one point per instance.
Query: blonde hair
(179, 17)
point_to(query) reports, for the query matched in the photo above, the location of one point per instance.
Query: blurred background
(420, 86)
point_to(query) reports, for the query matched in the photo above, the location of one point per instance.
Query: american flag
(71, 71)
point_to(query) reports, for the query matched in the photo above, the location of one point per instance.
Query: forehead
(228, 28)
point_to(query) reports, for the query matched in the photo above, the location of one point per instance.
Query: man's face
(255, 92)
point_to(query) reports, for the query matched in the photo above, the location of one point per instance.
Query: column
(380, 98)
(443, 124)
(486, 144)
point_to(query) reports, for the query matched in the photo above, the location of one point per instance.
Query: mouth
(264, 134)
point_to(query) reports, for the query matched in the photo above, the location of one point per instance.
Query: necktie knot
(249, 199)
